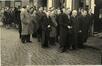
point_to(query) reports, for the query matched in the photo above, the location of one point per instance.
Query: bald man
(73, 36)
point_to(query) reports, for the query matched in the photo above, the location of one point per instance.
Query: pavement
(95, 42)
(14, 53)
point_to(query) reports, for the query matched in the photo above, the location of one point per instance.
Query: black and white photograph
(50, 32)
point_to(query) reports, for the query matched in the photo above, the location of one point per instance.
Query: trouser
(80, 40)
(45, 39)
(20, 31)
(34, 35)
(52, 40)
(39, 34)
(73, 40)
(64, 41)
(57, 35)
(25, 38)
(28, 37)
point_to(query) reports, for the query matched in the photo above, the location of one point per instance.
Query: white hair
(74, 11)
(84, 12)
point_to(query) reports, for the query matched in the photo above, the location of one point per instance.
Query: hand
(80, 31)
(69, 27)
(49, 26)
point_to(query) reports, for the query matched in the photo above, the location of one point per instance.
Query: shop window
(7, 3)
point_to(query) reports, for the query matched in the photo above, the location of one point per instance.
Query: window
(7, 3)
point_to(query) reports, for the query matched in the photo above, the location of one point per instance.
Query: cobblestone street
(14, 53)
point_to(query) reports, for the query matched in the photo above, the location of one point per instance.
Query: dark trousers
(20, 30)
(80, 40)
(73, 40)
(34, 35)
(57, 39)
(25, 38)
(28, 37)
(45, 39)
(64, 40)
(52, 40)
(39, 34)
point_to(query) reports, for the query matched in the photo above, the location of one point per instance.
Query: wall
(49, 4)
(69, 4)
(25, 2)
(93, 5)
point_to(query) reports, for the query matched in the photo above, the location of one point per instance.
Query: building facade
(72, 4)
(13, 3)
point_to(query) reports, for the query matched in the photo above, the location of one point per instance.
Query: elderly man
(74, 30)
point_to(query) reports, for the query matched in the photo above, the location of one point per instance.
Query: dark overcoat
(43, 25)
(63, 23)
(84, 27)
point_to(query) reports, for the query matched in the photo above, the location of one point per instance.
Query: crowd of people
(10, 16)
(70, 29)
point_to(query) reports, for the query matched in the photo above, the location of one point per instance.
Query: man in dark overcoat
(84, 25)
(64, 28)
(73, 36)
(44, 26)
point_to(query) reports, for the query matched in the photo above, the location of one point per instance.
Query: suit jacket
(75, 24)
(84, 23)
